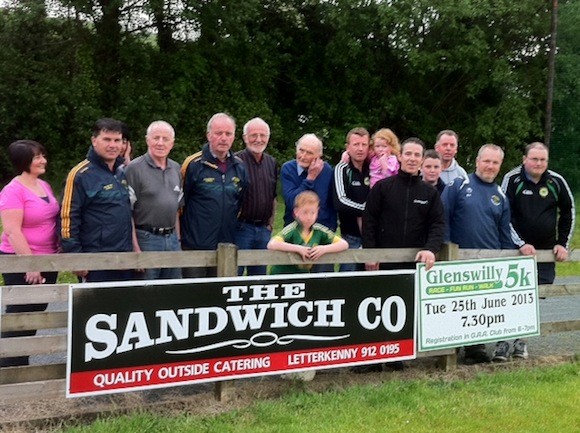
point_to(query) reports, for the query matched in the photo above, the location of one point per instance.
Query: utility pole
(551, 74)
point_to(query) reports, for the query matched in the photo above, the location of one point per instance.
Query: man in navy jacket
(96, 211)
(477, 214)
(213, 183)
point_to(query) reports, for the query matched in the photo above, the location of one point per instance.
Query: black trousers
(546, 273)
(16, 279)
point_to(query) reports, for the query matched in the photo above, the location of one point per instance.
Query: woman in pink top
(29, 213)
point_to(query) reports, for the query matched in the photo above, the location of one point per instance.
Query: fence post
(449, 251)
(227, 266)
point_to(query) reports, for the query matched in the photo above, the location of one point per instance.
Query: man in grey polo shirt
(156, 194)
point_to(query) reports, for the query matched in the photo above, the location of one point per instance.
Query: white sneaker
(304, 376)
(520, 349)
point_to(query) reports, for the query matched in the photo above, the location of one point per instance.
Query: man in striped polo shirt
(259, 204)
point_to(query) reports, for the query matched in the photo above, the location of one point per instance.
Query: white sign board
(477, 301)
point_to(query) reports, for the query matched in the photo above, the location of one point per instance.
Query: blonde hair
(305, 198)
(391, 139)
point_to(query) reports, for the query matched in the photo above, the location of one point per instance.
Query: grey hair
(160, 123)
(310, 137)
(255, 120)
(536, 145)
(218, 116)
(490, 146)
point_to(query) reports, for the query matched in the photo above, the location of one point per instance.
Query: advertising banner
(477, 301)
(149, 334)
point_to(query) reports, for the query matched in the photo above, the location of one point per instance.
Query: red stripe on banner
(142, 377)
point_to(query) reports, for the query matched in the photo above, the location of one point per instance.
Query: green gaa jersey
(292, 234)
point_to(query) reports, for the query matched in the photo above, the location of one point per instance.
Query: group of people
(384, 194)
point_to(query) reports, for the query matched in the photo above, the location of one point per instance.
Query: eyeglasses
(254, 136)
(536, 160)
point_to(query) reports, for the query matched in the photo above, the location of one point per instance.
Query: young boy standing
(308, 239)
(304, 236)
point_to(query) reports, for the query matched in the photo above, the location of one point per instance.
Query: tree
(46, 91)
(566, 121)
(476, 66)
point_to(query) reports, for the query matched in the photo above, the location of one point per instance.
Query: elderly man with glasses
(256, 216)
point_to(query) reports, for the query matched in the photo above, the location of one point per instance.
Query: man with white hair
(308, 172)
(214, 181)
(155, 193)
(259, 204)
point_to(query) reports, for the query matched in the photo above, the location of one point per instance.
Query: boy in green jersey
(304, 236)
(308, 239)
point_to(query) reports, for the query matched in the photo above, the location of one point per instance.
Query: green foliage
(46, 91)
(567, 269)
(565, 146)
(421, 406)
(476, 66)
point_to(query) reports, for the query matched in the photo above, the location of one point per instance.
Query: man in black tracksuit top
(402, 211)
(542, 209)
(351, 188)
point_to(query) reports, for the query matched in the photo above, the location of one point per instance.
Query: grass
(568, 269)
(535, 400)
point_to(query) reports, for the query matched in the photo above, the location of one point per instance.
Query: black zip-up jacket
(402, 211)
(96, 211)
(543, 213)
(212, 200)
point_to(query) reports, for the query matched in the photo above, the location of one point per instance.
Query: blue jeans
(150, 242)
(354, 242)
(252, 237)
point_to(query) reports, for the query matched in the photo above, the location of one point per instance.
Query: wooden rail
(30, 382)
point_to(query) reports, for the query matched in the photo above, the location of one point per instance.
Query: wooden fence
(30, 382)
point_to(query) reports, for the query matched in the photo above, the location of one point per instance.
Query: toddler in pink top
(383, 155)
(385, 151)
